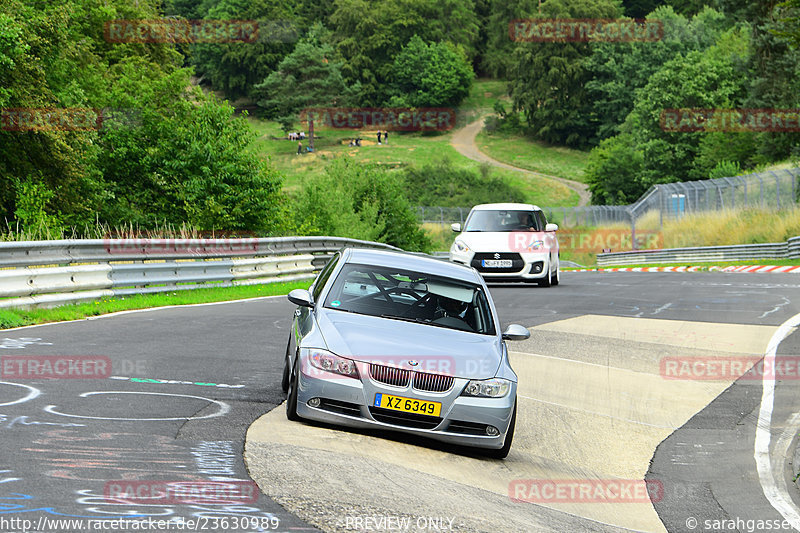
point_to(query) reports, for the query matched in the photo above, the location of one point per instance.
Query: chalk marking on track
(224, 408)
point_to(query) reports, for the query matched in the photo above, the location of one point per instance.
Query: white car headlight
(461, 246)
(487, 388)
(333, 363)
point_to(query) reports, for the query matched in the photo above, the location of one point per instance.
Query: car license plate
(496, 263)
(407, 405)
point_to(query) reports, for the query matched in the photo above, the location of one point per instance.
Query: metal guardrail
(50, 273)
(705, 254)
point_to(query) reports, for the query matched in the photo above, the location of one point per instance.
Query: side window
(322, 279)
(542, 220)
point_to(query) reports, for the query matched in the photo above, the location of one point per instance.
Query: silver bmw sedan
(402, 342)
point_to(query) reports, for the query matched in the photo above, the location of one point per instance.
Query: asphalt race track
(598, 404)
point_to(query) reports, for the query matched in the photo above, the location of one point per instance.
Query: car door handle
(297, 312)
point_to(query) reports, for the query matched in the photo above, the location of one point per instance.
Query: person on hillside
(379, 136)
(385, 137)
(299, 148)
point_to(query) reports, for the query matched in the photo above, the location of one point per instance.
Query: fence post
(777, 188)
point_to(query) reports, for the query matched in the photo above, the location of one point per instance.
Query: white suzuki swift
(508, 242)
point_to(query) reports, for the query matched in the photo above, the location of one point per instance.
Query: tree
(430, 75)
(498, 59)
(548, 80)
(619, 70)
(613, 170)
(368, 36)
(713, 79)
(309, 76)
(361, 202)
(235, 67)
(186, 160)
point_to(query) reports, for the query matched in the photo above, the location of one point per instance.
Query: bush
(445, 185)
(359, 202)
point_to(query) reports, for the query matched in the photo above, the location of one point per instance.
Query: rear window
(411, 296)
(504, 220)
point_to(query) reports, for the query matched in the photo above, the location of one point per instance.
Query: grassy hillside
(402, 150)
(523, 152)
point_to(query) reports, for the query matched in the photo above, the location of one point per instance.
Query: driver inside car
(450, 307)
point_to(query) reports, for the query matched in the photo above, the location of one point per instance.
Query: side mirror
(515, 332)
(456, 227)
(551, 227)
(301, 297)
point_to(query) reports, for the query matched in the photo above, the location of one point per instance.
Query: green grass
(403, 149)
(522, 152)
(483, 94)
(11, 318)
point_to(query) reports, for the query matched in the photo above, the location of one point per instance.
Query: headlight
(487, 388)
(333, 363)
(536, 245)
(461, 246)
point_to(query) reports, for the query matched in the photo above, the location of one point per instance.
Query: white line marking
(780, 500)
(224, 408)
(32, 393)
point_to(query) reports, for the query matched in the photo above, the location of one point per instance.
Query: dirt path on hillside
(464, 141)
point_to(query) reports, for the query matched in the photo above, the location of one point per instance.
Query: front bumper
(348, 401)
(530, 266)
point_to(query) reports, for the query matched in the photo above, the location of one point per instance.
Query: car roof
(411, 261)
(491, 207)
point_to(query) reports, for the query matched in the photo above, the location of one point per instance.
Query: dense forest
(168, 151)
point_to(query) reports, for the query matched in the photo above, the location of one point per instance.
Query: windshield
(503, 220)
(411, 296)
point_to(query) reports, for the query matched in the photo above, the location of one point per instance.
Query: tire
(291, 397)
(555, 280)
(502, 453)
(545, 281)
(285, 378)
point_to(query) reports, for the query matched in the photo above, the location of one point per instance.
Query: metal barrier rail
(45, 273)
(705, 254)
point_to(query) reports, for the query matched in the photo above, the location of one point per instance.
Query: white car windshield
(503, 220)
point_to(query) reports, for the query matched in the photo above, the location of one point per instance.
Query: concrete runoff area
(593, 406)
